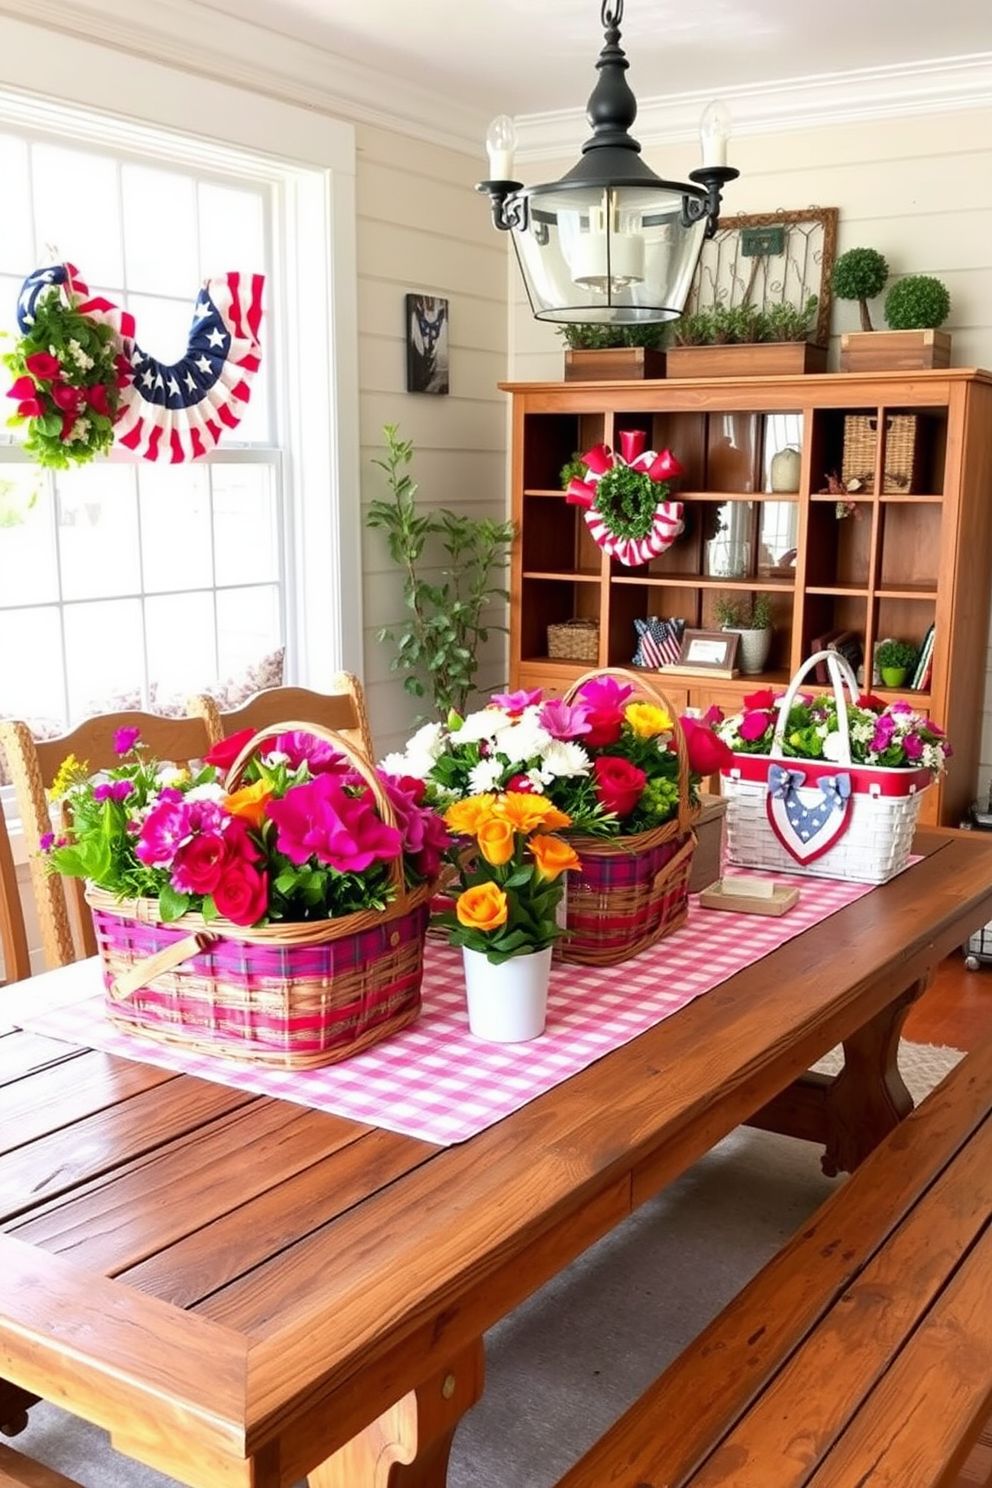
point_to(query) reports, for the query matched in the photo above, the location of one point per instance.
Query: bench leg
(868, 1098)
(409, 1445)
(14, 1406)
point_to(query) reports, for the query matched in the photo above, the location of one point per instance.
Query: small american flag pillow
(658, 641)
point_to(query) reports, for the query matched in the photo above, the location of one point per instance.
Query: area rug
(567, 1362)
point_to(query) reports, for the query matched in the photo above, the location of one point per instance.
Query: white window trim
(321, 287)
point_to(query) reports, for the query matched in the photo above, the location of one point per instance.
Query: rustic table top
(235, 1286)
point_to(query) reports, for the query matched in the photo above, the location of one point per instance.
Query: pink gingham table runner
(436, 1081)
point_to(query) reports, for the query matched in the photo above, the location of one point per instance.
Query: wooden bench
(861, 1355)
(18, 1471)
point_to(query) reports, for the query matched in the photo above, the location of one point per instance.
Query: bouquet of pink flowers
(606, 759)
(298, 837)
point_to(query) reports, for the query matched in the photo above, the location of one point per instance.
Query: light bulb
(715, 128)
(501, 138)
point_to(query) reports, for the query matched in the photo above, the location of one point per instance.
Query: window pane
(104, 654)
(16, 244)
(10, 288)
(246, 524)
(28, 565)
(31, 675)
(182, 656)
(232, 233)
(249, 626)
(163, 326)
(77, 211)
(176, 541)
(98, 531)
(159, 231)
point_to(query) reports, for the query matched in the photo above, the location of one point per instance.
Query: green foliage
(627, 499)
(573, 469)
(896, 655)
(743, 611)
(69, 412)
(437, 646)
(917, 303)
(860, 274)
(745, 324)
(585, 337)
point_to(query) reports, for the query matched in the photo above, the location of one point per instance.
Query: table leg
(409, 1445)
(868, 1097)
(14, 1406)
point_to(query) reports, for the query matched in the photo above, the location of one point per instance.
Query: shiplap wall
(422, 228)
(917, 189)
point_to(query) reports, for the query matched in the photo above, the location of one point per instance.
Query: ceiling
(526, 57)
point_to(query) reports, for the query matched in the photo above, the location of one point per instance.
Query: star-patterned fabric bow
(176, 411)
(807, 831)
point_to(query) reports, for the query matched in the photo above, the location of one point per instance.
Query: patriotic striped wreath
(624, 497)
(82, 382)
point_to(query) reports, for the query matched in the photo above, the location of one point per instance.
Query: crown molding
(193, 37)
(798, 103)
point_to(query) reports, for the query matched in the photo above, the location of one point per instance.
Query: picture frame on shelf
(711, 652)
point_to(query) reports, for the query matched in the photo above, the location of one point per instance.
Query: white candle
(501, 138)
(714, 133)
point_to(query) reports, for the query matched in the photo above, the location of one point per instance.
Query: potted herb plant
(613, 352)
(751, 617)
(745, 339)
(894, 660)
(914, 307)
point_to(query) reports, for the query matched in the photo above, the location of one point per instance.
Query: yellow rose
(482, 907)
(647, 719)
(553, 855)
(250, 802)
(496, 841)
(466, 817)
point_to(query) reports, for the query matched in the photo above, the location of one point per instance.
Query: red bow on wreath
(624, 497)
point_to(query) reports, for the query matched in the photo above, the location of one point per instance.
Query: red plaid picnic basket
(630, 892)
(826, 819)
(289, 995)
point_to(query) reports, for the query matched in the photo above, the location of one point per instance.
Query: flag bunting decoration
(624, 499)
(174, 411)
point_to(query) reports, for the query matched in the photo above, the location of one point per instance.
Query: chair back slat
(342, 709)
(13, 936)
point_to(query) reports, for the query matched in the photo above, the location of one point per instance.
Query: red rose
(96, 397)
(760, 702)
(226, 752)
(605, 722)
(242, 894)
(69, 399)
(41, 364)
(198, 864)
(707, 751)
(619, 784)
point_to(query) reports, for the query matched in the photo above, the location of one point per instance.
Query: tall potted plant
(751, 617)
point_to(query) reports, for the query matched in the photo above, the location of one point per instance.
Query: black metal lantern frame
(611, 241)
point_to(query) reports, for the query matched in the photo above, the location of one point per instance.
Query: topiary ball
(917, 303)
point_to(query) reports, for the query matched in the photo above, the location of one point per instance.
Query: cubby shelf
(914, 551)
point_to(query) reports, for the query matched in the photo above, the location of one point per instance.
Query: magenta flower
(564, 720)
(913, 746)
(754, 725)
(319, 819)
(47, 838)
(162, 835)
(304, 749)
(112, 790)
(124, 740)
(605, 699)
(425, 835)
(42, 364)
(514, 703)
(882, 737)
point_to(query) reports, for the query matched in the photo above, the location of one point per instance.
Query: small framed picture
(426, 344)
(709, 650)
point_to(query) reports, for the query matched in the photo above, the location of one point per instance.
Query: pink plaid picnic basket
(630, 892)
(289, 995)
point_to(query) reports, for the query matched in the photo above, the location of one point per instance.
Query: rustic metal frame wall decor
(770, 258)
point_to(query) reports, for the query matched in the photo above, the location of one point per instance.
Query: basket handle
(684, 815)
(165, 960)
(841, 676)
(362, 765)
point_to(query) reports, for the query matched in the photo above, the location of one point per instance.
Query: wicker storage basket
(792, 815)
(630, 892)
(574, 640)
(901, 452)
(289, 995)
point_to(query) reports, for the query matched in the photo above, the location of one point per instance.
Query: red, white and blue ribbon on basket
(661, 519)
(175, 411)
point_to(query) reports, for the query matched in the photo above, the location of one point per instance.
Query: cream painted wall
(914, 188)
(421, 227)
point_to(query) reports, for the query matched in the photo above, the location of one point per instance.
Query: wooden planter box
(754, 359)
(614, 364)
(894, 351)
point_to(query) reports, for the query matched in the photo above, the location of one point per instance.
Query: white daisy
(484, 776)
(563, 759)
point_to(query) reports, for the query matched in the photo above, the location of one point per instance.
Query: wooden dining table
(244, 1291)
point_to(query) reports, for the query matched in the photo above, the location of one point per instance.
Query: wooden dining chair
(13, 936)
(63, 915)
(342, 709)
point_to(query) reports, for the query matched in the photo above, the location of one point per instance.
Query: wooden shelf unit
(902, 560)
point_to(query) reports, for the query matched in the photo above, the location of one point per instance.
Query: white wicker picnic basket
(832, 820)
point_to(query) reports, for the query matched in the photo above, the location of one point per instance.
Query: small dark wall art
(426, 344)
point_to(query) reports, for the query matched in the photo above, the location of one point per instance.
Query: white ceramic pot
(785, 469)
(508, 1003)
(752, 649)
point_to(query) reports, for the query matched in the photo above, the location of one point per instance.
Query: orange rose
(466, 817)
(250, 802)
(496, 841)
(482, 908)
(553, 855)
